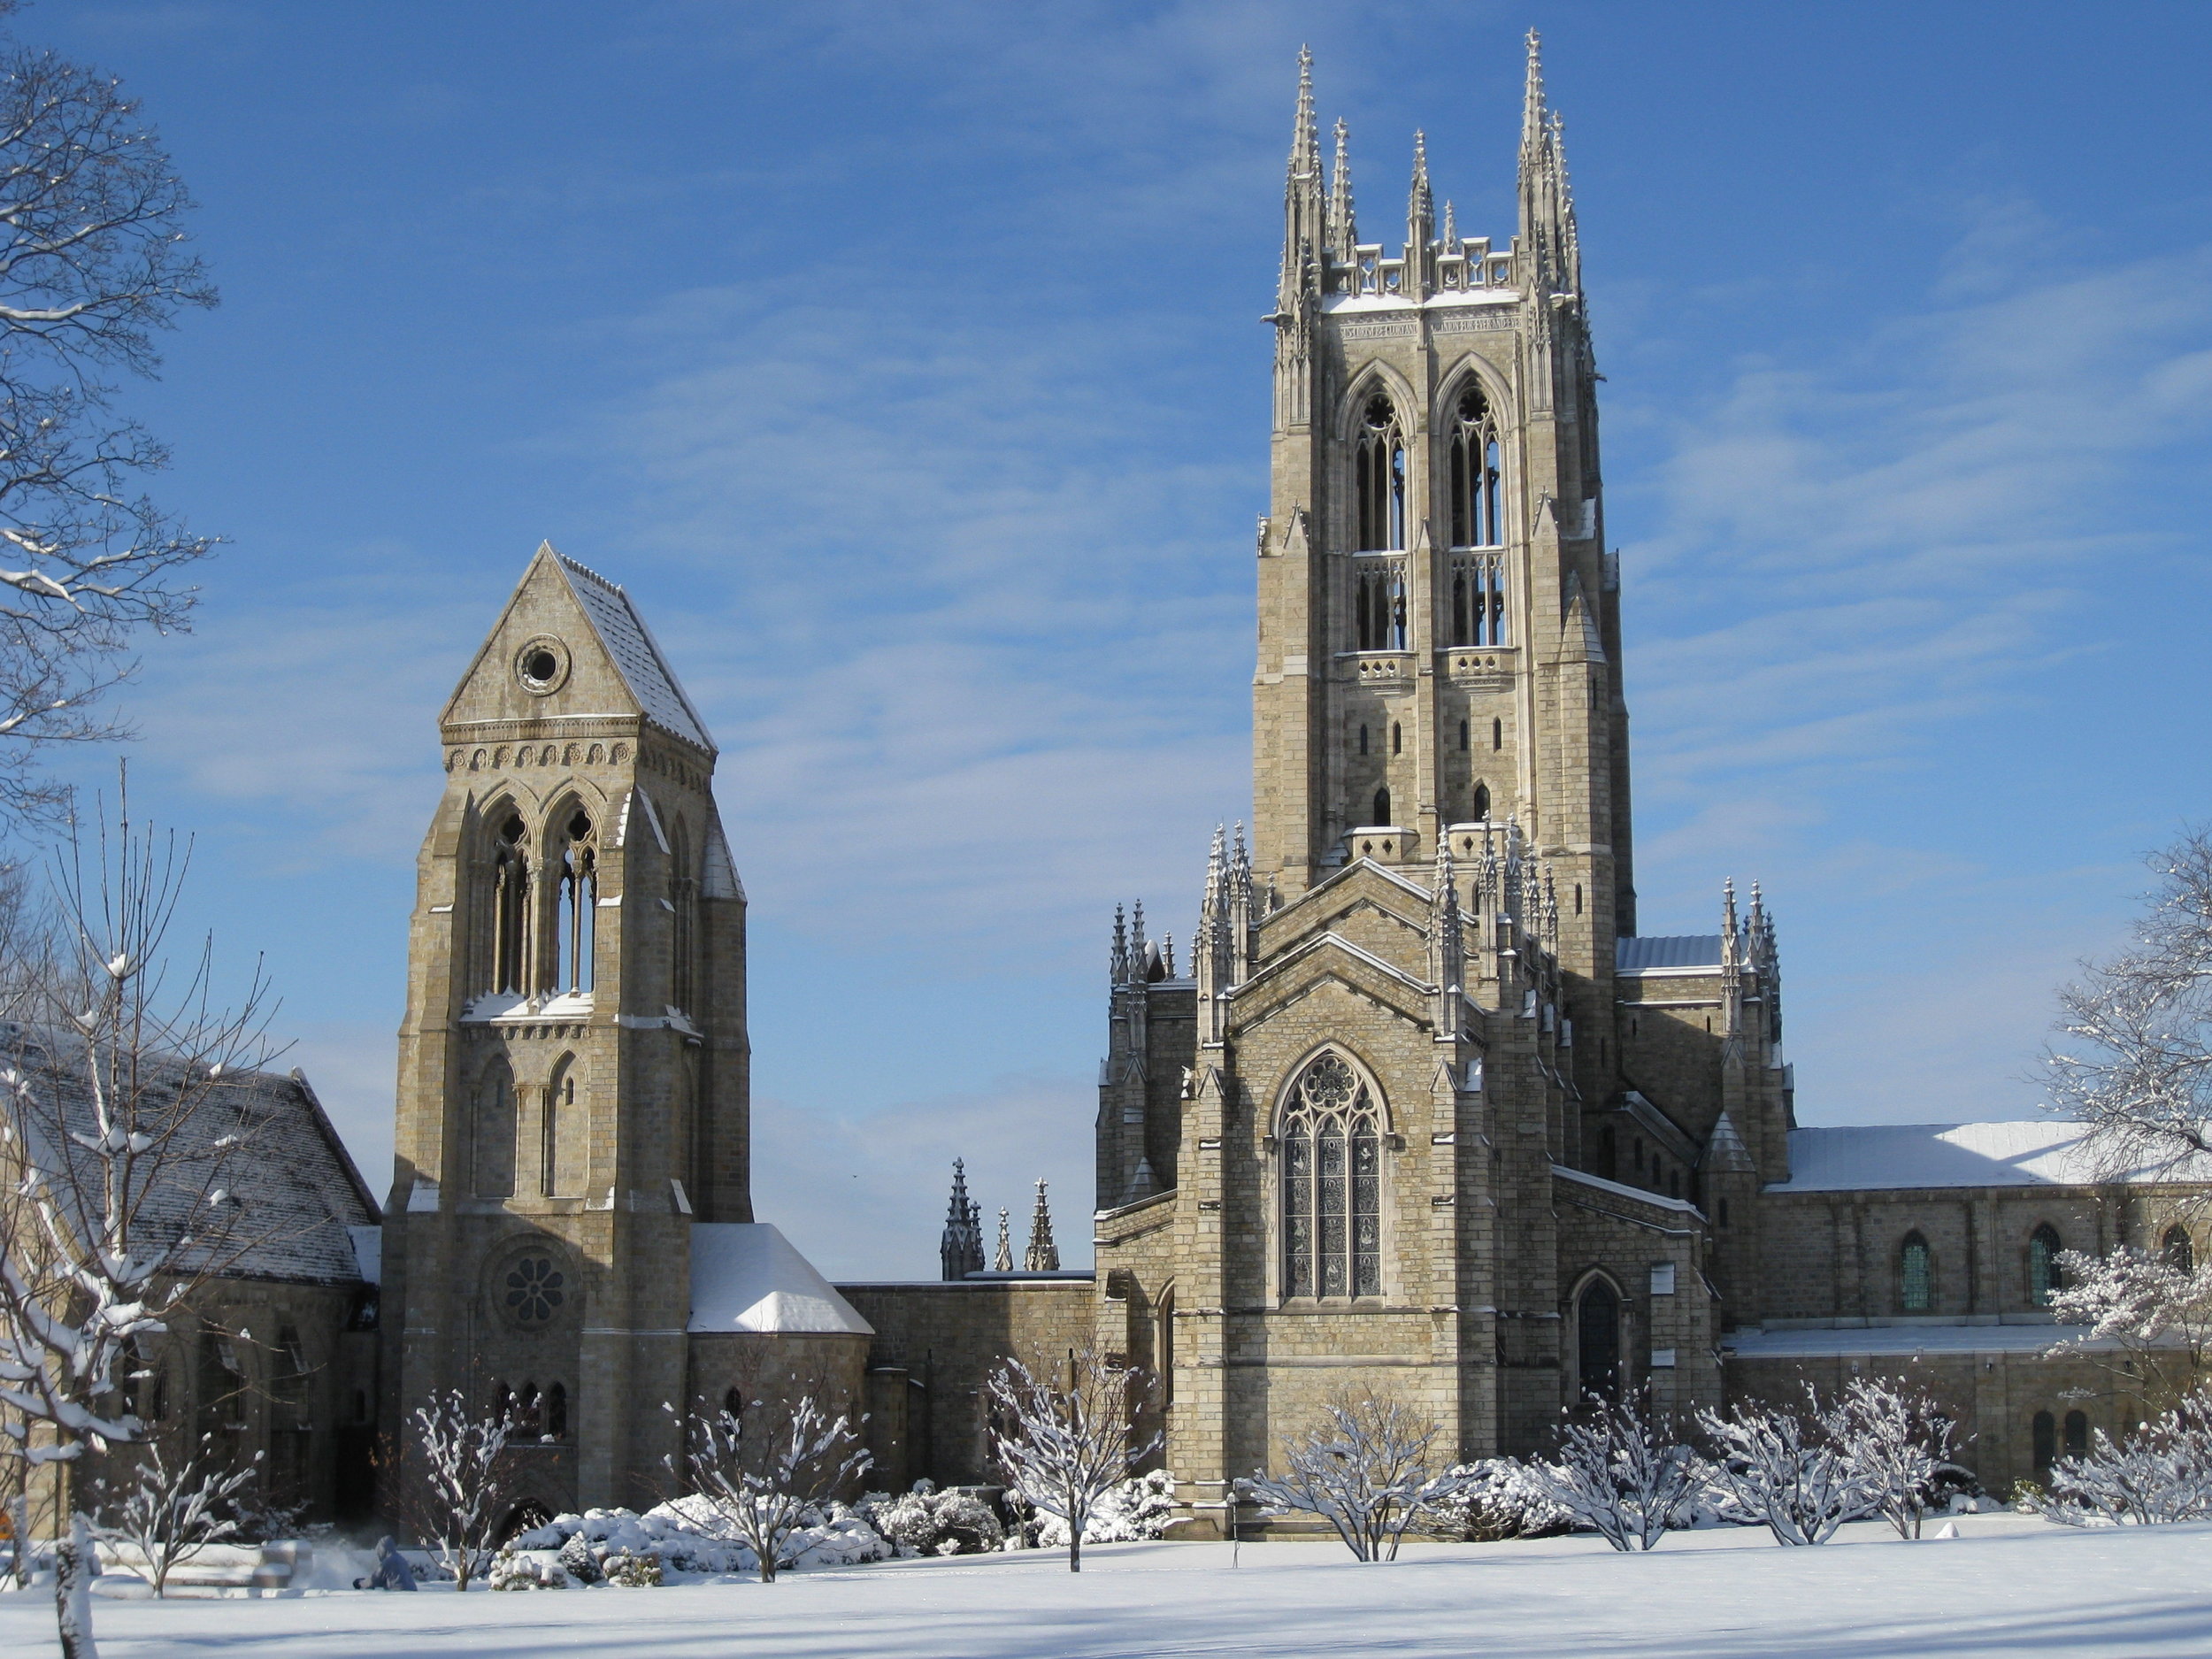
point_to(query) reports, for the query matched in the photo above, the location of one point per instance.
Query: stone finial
(1343, 222)
(1004, 1261)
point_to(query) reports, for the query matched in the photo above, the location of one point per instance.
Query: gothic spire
(1546, 234)
(1305, 140)
(1532, 125)
(1004, 1261)
(1118, 968)
(1043, 1255)
(1343, 222)
(1420, 223)
(1302, 203)
(960, 1251)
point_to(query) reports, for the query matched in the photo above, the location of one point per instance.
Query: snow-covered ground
(2010, 1586)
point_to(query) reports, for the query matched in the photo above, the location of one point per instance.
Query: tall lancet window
(510, 905)
(1379, 466)
(683, 903)
(1378, 605)
(579, 905)
(1332, 1169)
(1476, 519)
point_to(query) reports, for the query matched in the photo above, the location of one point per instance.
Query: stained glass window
(1332, 1171)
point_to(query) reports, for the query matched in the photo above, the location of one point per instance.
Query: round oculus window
(542, 665)
(533, 1289)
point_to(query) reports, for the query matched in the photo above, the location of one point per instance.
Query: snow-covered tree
(768, 1478)
(464, 1479)
(178, 1501)
(2154, 1312)
(1621, 1474)
(1064, 1446)
(1368, 1469)
(94, 265)
(1787, 1470)
(2160, 1474)
(1901, 1443)
(115, 1204)
(2132, 1061)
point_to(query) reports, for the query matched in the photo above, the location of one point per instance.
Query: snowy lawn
(2010, 1586)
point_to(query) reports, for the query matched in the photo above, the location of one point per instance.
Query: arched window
(578, 913)
(1598, 1340)
(557, 1412)
(1913, 1288)
(2176, 1251)
(2043, 1433)
(1382, 804)
(1497, 735)
(1482, 802)
(1380, 465)
(2044, 1274)
(1463, 737)
(492, 1149)
(2077, 1433)
(733, 1403)
(510, 905)
(1474, 467)
(683, 898)
(1397, 738)
(1362, 740)
(566, 1150)
(1332, 1165)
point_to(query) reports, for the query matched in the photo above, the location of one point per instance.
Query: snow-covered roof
(745, 1276)
(631, 643)
(1831, 1343)
(1667, 952)
(301, 1203)
(2035, 1152)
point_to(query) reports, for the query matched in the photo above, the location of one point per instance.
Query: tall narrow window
(510, 905)
(1332, 1171)
(1913, 1287)
(683, 899)
(1497, 735)
(556, 1413)
(1477, 612)
(2077, 1433)
(2176, 1249)
(1474, 469)
(1382, 805)
(1380, 465)
(1378, 605)
(1482, 802)
(2043, 1436)
(579, 907)
(1362, 740)
(1598, 1340)
(1397, 738)
(1463, 737)
(2044, 1274)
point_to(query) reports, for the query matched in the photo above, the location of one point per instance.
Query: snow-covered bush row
(927, 1522)
(2160, 1474)
(1137, 1509)
(1622, 1475)
(688, 1536)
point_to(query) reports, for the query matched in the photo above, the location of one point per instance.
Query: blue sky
(904, 362)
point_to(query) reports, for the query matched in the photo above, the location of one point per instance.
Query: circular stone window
(542, 665)
(531, 1290)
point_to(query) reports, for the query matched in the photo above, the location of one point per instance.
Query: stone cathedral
(1424, 1109)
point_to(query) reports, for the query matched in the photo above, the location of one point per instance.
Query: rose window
(534, 1289)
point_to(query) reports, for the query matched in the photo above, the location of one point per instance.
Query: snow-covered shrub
(515, 1569)
(1137, 1509)
(2160, 1474)
(1901, 1443)
(1365, 1471)
(632, 1572)
(773, 1478)
(1787, 1472)
(927, 1522)
(578, 1561)
(1498, 1497)
(1063, 1448)
(1624, 1476)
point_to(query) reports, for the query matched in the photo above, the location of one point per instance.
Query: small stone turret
(1043, 1255)
(961, 1250)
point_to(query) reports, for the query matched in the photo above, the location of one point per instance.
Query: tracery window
(1379, 466)
(1332, 1169)
(2176, 1250)
(1378, 605)
(1478, 603)
(577, 916)
(1476, 521)
(2044, 1274)
(510, 905)
(1914, 1290)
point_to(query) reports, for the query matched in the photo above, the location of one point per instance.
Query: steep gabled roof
(637, 655)
(747, 1276)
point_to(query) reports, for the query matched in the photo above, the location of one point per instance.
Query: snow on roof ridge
(611, 611)
(1990, 1152)
(747, 1276)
